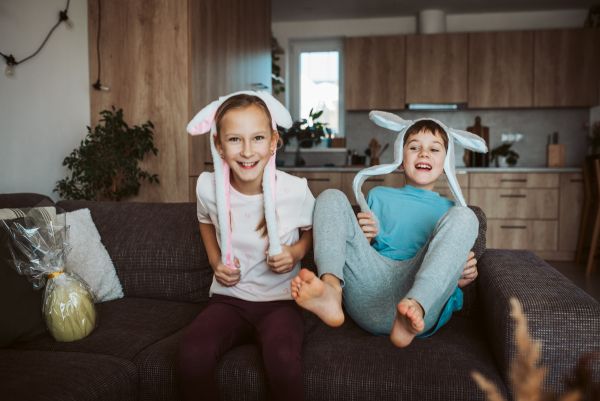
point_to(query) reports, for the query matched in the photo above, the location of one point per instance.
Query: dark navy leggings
(276, 327)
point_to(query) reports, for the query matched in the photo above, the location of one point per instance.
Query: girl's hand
(366, 225)
(284, 262)
(469, 273)
(227, 276)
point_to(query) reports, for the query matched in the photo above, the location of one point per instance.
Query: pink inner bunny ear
(204, 125)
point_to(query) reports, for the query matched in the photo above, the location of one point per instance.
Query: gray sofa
(163, 268)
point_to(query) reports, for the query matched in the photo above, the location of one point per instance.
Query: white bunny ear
(389, 120)
(469, 141)
(203, 121)
(278, 112)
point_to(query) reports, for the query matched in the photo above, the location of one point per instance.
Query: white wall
(284, 31)
(45, 107)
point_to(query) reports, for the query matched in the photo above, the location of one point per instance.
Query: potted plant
(506, 153)
(105, 166)
(306, 132)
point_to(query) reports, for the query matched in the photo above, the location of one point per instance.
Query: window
(316, 81)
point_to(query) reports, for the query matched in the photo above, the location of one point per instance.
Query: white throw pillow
(88, 257)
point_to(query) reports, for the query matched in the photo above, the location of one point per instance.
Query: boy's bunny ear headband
(395, 123)
(205, 121)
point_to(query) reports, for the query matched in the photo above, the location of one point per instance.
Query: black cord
(97, 84)
(10, 60)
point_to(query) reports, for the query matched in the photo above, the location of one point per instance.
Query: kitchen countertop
(459, 170)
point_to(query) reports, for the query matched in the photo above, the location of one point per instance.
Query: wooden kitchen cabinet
(514, 180)
(393, 180)
(319, 182)
(571, 205)
(501, 69)
(566, 68)
(442, 187)
(516, 203)
(532, 235)
(374, 73)
(436, 68)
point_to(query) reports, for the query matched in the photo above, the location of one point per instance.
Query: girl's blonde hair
(240, 102)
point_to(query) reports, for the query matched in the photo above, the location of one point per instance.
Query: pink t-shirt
(294, 206)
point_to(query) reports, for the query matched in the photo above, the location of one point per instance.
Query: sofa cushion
(125, 327)
(22, 200)
(156, 248)
(39, 376)
(350, 363)
(344, 363)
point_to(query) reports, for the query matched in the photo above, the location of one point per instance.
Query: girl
(250, 219)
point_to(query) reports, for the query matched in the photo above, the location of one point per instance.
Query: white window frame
(298, 46)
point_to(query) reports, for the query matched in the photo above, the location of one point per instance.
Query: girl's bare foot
(408, 323)
(319, 297)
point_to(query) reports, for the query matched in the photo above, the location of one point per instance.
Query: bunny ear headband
(205, 121)
(395, 123)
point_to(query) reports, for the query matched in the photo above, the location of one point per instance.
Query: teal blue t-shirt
(407, 217)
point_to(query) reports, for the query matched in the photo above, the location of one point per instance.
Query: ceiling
(310, 10)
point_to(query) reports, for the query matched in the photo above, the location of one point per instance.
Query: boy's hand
(469, 273)
(366, 225)
(226, 276)
(284, 262)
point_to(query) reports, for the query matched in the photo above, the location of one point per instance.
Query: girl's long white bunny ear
(202, 122)
(469, 140)
(389, 120)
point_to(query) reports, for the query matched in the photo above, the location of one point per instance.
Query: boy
(405, 284)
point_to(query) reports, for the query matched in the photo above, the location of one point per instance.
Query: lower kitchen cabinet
(319, 182)
(533, 235)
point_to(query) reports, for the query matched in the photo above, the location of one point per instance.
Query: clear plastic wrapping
(39, 249)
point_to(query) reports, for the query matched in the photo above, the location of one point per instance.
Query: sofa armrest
(560, 314)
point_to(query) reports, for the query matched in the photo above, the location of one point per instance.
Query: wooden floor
(576, 273)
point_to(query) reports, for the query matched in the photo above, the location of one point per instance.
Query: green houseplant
(306, 132)
(505, 151)
(105, 166)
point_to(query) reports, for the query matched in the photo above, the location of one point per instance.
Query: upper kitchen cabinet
(501, 69)
(436, 68)
(566, 68)
(374, 69)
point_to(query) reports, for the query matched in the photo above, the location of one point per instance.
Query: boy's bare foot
(408, 323)
(319, 297)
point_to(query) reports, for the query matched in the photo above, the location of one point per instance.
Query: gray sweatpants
(373, 284)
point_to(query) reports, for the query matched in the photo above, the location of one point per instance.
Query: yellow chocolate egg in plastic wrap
(69, 307)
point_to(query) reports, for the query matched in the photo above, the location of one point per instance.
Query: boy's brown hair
(428, 126)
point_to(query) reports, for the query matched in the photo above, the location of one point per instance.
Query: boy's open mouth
(247, 165)
(423, 166)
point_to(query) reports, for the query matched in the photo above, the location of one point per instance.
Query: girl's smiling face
(423, 160)
(246, 141)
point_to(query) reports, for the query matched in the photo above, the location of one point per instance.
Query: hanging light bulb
(64, 17)
(98, 86)
(10, 65)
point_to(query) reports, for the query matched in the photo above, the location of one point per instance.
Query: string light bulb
(10, 63)
(64, 17)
